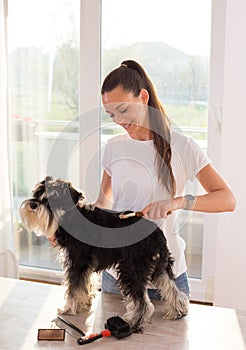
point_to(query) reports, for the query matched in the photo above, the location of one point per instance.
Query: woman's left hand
(52, 241)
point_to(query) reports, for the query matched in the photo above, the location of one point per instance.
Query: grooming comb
(69, 327)
(115, 326)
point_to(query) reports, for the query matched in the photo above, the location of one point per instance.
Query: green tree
(66, 80)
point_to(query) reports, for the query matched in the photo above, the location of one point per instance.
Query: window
(44, 95)
(55, 58)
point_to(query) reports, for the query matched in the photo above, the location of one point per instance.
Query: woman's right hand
(161, 209)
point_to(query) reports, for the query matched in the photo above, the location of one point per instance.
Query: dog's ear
(48, 179)
(59, 194)
(70, 196)
(77, 195)
(62, 194)
(81, 201)
(39, 191)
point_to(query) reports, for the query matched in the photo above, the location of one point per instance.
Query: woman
(146, 169)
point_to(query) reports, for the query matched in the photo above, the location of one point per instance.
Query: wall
(230, 274)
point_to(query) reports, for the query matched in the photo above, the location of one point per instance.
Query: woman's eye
(123, 110)
(111, 115)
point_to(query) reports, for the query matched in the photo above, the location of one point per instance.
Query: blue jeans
(109, 285)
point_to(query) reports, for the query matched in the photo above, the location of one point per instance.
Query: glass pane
(171, 40)
(43, 65)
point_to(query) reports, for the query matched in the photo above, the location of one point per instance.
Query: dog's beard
(38, 220)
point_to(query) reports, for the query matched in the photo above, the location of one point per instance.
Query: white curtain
(8, 262)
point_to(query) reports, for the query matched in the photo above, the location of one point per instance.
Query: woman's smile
(126, 126)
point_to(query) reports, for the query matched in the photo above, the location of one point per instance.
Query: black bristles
(118, 327)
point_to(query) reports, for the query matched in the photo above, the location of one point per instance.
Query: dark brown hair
(132, 78)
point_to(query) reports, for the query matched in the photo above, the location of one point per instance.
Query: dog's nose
(33, 205)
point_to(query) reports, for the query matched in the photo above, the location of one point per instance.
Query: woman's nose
(118, 119)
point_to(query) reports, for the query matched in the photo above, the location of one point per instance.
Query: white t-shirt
(131, 165)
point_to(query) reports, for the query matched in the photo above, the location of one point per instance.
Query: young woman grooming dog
(147, 168)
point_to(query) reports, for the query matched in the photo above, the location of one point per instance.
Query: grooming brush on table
(115, 326)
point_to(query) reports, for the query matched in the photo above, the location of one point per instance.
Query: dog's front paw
(137, 329)
(67, 310)
(136, 326)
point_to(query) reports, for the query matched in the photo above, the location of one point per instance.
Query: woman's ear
(144, 95)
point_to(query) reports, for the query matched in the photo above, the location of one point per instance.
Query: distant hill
(176, 75)
(152, 55)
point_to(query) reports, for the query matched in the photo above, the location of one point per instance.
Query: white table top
(27, 306)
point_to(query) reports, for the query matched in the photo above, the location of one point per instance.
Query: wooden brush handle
(130, 215)
(136, 213)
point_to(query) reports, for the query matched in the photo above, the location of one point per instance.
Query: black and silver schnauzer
(93, 239)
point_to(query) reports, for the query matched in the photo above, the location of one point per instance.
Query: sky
(42, 23)
(183, 24)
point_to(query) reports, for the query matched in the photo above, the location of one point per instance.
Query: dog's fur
(55, 205)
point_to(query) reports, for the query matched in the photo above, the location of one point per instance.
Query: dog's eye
(33, 205)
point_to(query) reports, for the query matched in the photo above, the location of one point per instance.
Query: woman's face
(129, 111)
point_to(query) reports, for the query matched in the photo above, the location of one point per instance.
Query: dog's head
(51, 199)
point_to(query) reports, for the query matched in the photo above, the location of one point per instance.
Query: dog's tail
(176, 302)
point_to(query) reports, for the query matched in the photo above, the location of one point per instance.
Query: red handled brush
(115, 326)
(92, 337)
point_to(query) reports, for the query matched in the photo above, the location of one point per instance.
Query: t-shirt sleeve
(106, 159)
(195, 158)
